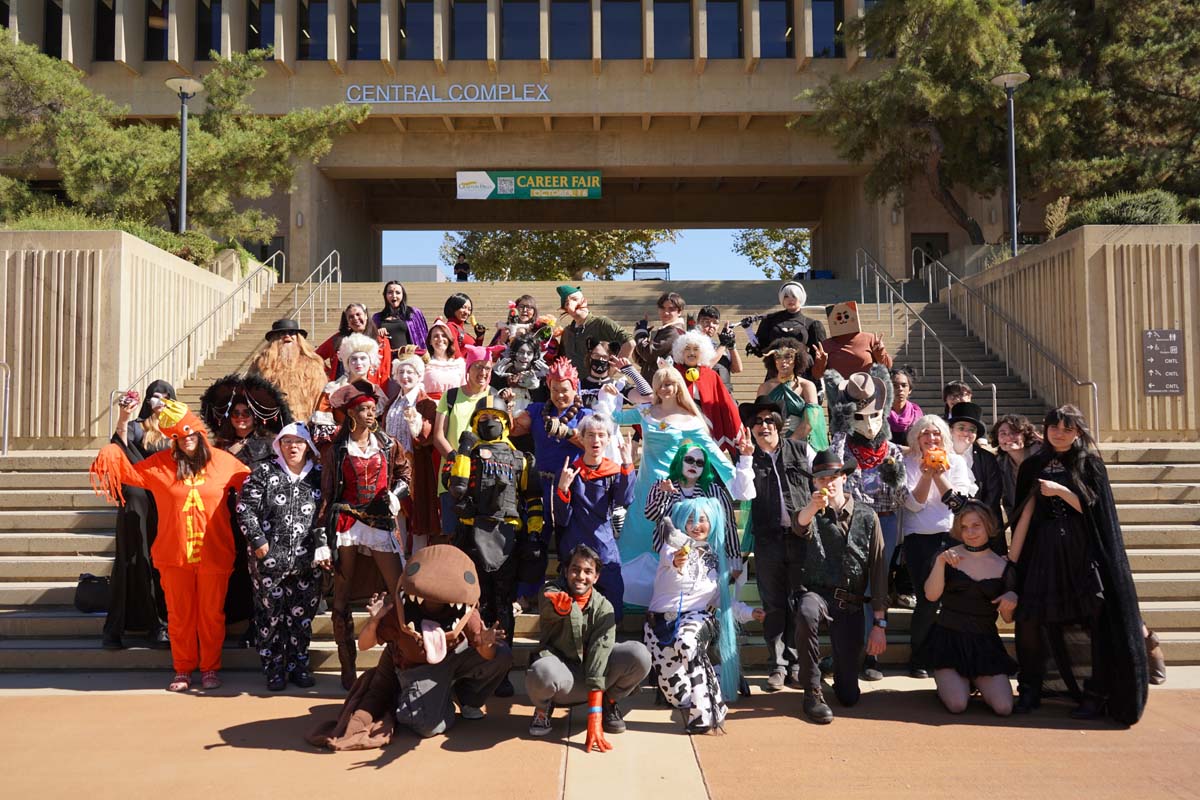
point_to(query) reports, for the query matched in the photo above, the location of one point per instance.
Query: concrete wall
(84, 313)
(1086, 299)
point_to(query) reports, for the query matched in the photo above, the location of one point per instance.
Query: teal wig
(691, 509)
(675, 472)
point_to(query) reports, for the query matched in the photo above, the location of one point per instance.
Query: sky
(696, 254)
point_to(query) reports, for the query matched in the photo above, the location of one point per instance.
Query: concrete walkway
(121, 735)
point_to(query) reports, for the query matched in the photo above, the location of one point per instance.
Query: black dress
(964, 636)
(136, 602)
(239, 598)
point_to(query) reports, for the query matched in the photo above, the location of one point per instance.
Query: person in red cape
(691, 352)
(193, 550)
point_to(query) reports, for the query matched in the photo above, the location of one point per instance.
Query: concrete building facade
(682, 106)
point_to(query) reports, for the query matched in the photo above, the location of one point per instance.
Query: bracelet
(594, 709)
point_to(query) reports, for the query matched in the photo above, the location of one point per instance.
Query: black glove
(725, 337)
(401, 489)
(480, 332)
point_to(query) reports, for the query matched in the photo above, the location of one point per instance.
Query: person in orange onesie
(193, 551)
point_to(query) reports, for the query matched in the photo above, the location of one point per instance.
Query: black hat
(968, 412)
(827, 463)
(748, 411)
(282, 326)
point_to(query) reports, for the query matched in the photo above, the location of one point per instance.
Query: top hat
(968, 412)
(282, 326)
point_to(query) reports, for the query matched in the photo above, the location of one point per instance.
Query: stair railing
(869, 271)
(958, 292)
(326, 274)
(182, 358)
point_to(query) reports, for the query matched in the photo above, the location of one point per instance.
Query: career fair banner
(527, 185)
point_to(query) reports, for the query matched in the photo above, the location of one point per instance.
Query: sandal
(180, 683)
(210, 680)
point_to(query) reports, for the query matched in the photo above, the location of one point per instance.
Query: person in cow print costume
(287, 547)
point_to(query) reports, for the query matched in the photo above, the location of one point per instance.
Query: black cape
(1120, 617)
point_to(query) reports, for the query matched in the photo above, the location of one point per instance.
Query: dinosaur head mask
(437, 593)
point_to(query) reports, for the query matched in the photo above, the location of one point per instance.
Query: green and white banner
(529, 185)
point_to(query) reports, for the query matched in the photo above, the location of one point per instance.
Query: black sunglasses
(763, 421)
(695, 462)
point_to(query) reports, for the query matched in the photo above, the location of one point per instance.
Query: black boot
(1029, 698)
(343, 634)
(815, 707)
(276, 680)
(1092, 707)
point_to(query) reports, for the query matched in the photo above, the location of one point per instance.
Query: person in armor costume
(498, 502)
(366, 474)
(843, 563)
(858, 407)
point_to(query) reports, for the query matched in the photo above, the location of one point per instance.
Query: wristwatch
(881, 623)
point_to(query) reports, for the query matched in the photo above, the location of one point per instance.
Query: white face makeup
(693, 463)
(407, 377)
(358, 364)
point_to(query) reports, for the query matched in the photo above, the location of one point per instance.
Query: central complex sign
(524, 185)
(422, 93)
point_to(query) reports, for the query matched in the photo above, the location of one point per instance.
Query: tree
(551, 255)
(114, 167)
(780, 253)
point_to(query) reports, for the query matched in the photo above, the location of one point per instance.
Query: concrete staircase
(52, 528)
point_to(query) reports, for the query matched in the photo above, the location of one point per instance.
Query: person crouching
(579, 656)
(843, 547)
(692, 609)
(277, 509)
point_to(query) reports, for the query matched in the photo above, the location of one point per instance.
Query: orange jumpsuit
(193, 550)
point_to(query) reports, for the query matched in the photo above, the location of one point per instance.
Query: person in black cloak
(1072, 570)
(245, 413)
(137, 601)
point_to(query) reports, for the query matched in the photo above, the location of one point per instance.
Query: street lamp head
(184, 86)
(1010, 80)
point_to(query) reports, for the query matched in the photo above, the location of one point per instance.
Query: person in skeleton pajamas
(288, 549)
(692, 605)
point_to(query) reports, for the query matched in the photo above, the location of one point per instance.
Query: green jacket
(584, 637)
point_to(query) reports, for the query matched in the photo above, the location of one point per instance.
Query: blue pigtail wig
(689, 509)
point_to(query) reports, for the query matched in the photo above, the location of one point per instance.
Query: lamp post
(1010, 81)
(186, 88)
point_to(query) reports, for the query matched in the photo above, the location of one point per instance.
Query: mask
(522, 359)
(599, 366)
(868, 426)
(491, 429)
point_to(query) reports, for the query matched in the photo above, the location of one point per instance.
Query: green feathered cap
(565, 290)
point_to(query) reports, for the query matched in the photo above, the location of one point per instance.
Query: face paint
(693, 463)
(358, 363)
(522, 358)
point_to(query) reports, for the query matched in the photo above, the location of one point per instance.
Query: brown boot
(347, 647)
(1155, 658)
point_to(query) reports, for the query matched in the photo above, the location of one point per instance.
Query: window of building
(828, 16)
(672, 29)
(416, 31)
(104, 43)
(313, 30)
(260, 24)
(52, 35)
(208, 28)
(776, 28)
(4, 13)
(520, 30)
(620, 29)
(724, 28)
(156, 30)
(570, 30)
(468, 30)
(364, 30)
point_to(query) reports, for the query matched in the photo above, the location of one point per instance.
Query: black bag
(92, 593)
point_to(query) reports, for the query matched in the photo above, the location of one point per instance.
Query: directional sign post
(527, 185)
(1162, 361)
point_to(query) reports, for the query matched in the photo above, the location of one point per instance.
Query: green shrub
(1191, 210)
(1153, 207)
(192, 246)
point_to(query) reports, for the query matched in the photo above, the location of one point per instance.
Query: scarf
(868, 457)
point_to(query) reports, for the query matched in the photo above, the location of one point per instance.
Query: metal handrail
(864, 261)
(1010, 325)
(7, 405)
(329, 268)
(268, 265)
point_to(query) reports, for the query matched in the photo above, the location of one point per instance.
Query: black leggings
(1030, 636)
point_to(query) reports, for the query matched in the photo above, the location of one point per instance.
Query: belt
(847, 601)
(886, 514)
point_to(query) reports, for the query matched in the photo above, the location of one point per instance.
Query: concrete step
(58, 520)
(1178, 513)
(1155, 492)
(66, 543)
(1131, 474)
(1150, 535)
(47, 461)
(1151, 453)
(52, 568)
(35, 480)
(1152, 560)
(58, 499)
(1167, 585)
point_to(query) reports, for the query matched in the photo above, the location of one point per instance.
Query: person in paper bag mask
(848, 349)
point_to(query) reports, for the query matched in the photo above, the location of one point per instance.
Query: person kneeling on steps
(843, 552)
(579, 658)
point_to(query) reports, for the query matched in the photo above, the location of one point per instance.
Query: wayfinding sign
(529, 185)
(1162, 361)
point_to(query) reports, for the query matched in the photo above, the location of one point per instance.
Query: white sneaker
(540, 724)
(471, 712)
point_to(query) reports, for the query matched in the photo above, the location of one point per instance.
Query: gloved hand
(561, 601)
(595, 730)
(725, 337)
(480, 332)
(401, 490)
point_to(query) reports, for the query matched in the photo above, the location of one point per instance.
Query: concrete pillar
(129, 48)
(287, 14)
(389, 34)
(648, 36)
(544, 35)
(329, 215)
(233, 27)
(699, 35)
(79, 33)
(803, 17)
(181, 34)
(337, 34)
(441, 34)
(850, 221)
(493, 34)
(751, 35)
(854, 9)
(597, 45)
(27, 19)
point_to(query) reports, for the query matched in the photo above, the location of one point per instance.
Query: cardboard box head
(843, 318)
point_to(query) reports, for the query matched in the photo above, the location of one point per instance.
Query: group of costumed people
(412, 468)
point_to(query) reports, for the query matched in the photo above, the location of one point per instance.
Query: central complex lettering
(381, 94)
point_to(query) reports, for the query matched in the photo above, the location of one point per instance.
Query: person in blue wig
(692, 608)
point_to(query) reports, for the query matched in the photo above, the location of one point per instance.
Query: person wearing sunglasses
(781, 469)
